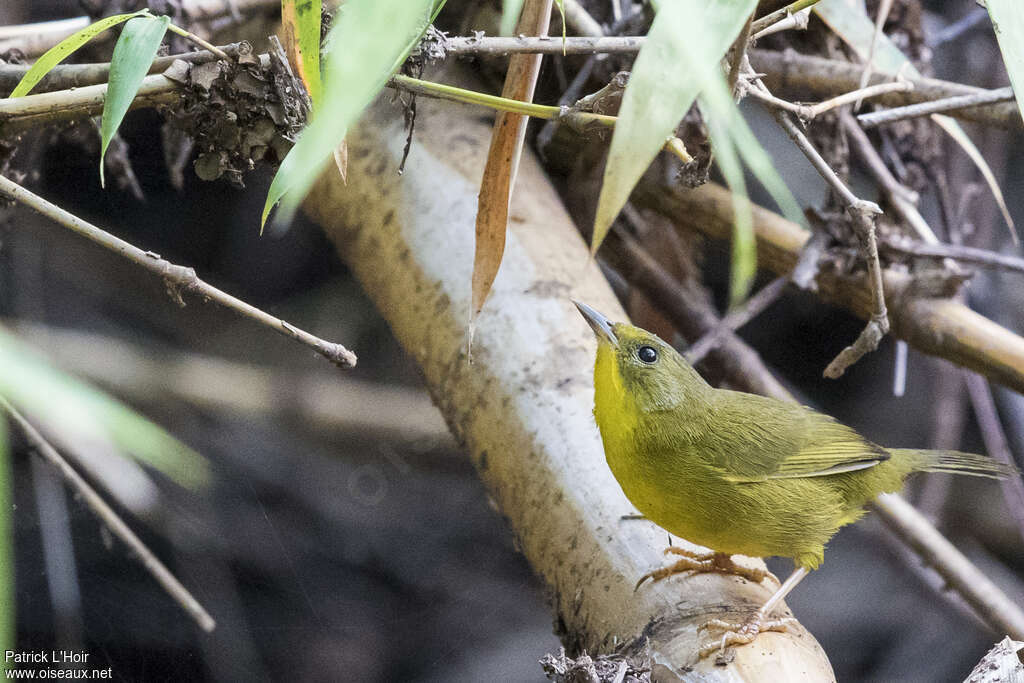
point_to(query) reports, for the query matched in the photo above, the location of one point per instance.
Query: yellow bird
(738, 473)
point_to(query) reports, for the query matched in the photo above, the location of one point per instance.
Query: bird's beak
(601, 326)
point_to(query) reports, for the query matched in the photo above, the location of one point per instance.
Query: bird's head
(637, 367)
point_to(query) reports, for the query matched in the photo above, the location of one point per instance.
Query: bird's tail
(955, 462)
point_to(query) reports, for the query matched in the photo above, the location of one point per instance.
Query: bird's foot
(740, 634)
(703, 563)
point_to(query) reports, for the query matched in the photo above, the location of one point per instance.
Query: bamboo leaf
(503, 159)
(560, 4)
(300, 21)
(510, 11)
(667, 76)
(33, 385)
(854, 27)
(133, 55)
(369, 41)
(734, 142)
(59, 52)
(743, 263)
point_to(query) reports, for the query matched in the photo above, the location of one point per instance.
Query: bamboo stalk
(523, 408)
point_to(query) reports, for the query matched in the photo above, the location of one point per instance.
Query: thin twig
(858, 95)
(944, 105)
(548, 45)
(884, 7)
(117, 526)
(902, 198)
(780, 14)
(996, 444)
(693, 318)
(862, 213)
(788, 71)
(797, 20)
(987, 599)
(179, 279)
(808, 112)
(206, 45)
(65, 76)
(963, 254)
(736, 319)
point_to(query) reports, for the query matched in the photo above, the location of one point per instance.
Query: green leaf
(7, 596)
(1008, 23)
(133, 55)
(560, 4)
(304, 17)
(668, 74)
(733, 141)
(510, 11)
(743, 266)
(36, 387)
(856, 30)
(59, 52)
(369, 41)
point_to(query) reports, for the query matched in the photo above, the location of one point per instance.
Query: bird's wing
(776, 440)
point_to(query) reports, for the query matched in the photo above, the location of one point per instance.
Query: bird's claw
(704, 563)
(743, 635)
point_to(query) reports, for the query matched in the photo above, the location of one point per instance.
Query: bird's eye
(647, 354)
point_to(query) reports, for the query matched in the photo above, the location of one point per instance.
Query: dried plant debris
(694, 134)
(1004, 663)
(433, 47)
(587, 669)
(238, 112)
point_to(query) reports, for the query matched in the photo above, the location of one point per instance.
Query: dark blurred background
(346, 537)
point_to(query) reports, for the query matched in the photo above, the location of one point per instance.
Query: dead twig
(179, 279)
(778, 15)
(985, 597)
(996, 444)
(945, 105)
(106, 514)
(862, 213)
(962, 254)
(66, 76)
(736, 319)
(498, 46)
(808, 112)
(788, 71)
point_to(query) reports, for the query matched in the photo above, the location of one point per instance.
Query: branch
(946, 105)
(987, 599)
(780, 14)
(937, 326)
(548, 45)
(790, 72)
(691, 317)
(149, 561)
(179, 279)
(736, 319)
(343, 406)
(862, 213)
(981, 257)
(67, 76)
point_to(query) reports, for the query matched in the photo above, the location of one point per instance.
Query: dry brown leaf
(503, 157)
(341, 160)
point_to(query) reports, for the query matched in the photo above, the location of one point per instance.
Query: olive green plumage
(736, 472)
